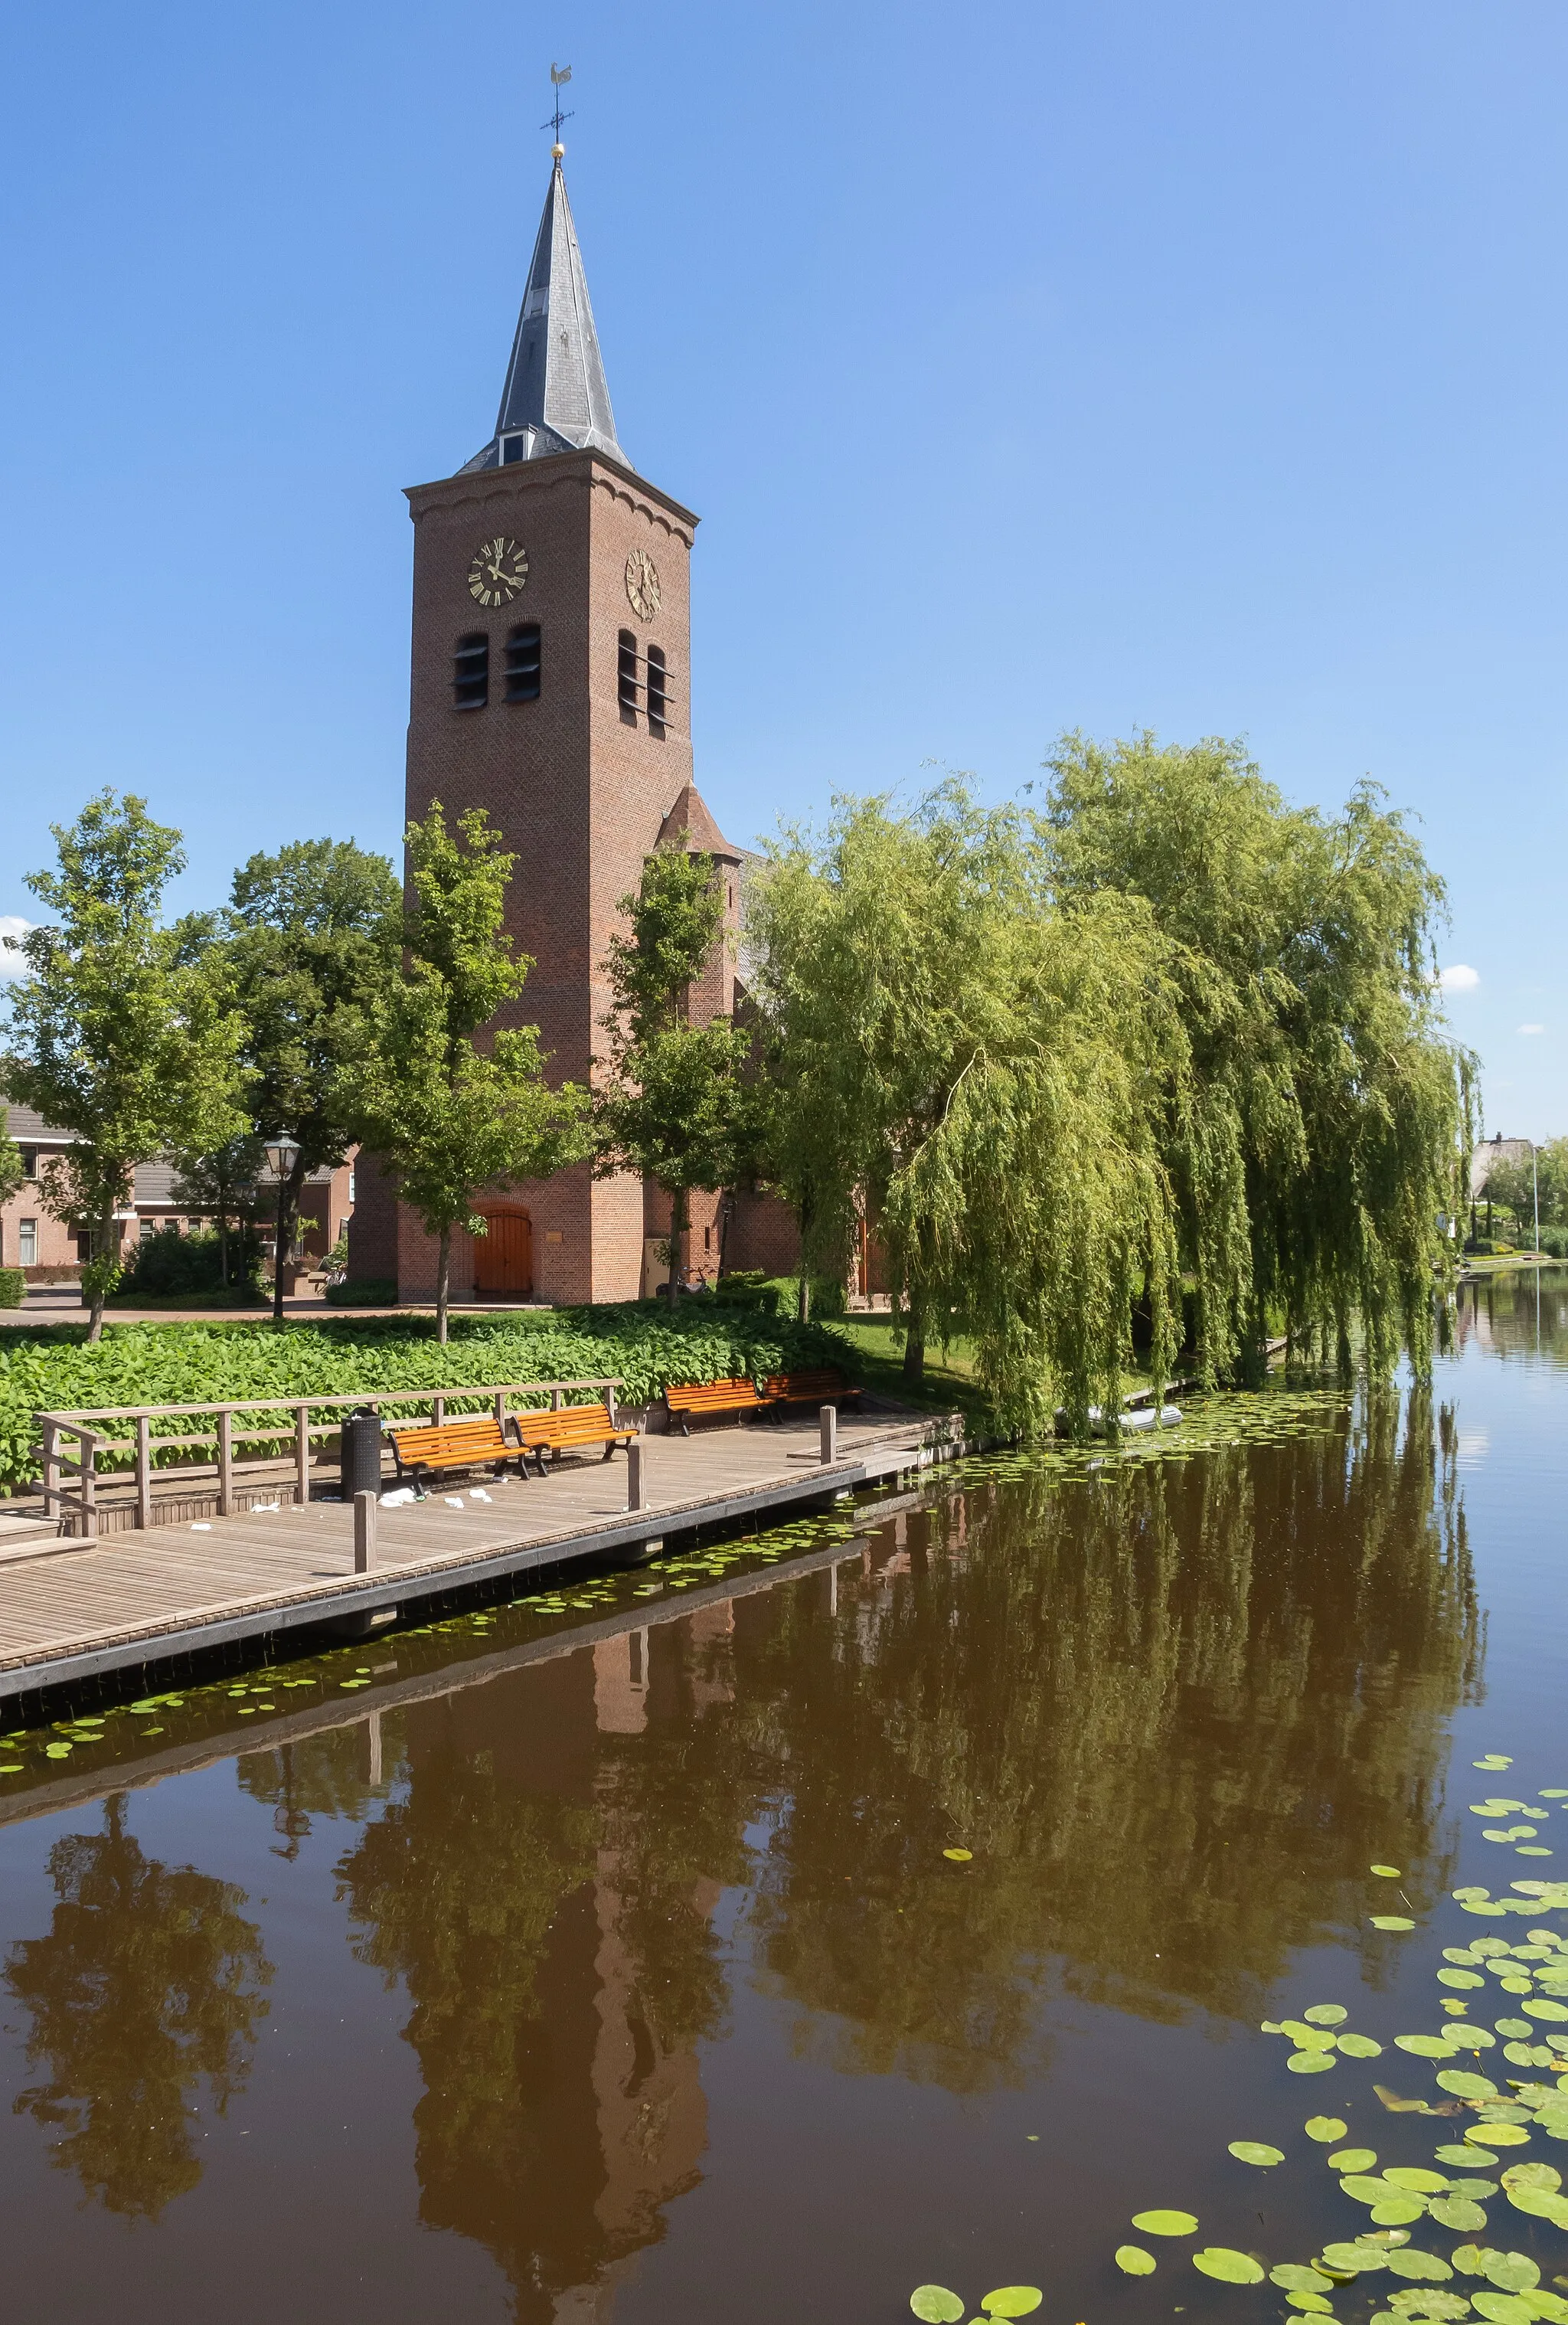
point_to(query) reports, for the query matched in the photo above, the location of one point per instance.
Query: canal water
(894, 1899)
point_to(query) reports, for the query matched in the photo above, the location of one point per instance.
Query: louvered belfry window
(471, 673)
(523, 663)
(658, 691)
(627, 686)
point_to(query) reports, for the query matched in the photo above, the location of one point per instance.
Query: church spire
(555, 399)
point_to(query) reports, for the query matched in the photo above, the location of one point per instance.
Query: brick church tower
(551, 654)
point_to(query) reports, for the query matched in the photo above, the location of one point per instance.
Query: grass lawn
(949, 1386)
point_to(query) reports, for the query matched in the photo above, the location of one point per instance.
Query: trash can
(361, 1443)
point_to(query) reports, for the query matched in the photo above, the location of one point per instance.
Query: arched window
(522, 663)
(658, 692)
(471, 673)
(626, 682)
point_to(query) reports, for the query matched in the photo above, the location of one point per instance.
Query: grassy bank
(196, 1363)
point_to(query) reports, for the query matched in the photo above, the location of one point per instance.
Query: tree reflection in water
(1175, 1711)
(147, 1982)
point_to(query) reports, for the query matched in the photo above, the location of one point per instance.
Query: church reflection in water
(1174, 1713)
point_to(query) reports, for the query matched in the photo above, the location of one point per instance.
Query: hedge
(188, 1363)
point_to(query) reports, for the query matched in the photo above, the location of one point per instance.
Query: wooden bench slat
(570, 1426)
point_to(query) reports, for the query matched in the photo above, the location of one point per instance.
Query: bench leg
(609, 1448)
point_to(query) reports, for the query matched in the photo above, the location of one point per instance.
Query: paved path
(71, 1609)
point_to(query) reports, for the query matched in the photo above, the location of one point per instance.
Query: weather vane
(559, 76)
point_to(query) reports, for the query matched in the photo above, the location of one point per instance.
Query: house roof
(30, 1129)
(690, 821)
(1488, 1155)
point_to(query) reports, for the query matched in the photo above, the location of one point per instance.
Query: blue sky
(1063, 365)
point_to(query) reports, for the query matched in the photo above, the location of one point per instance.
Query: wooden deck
(69, 1610)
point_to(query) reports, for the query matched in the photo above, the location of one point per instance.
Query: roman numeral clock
(498, 572)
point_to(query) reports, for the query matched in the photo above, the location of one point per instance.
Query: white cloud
(1531, 1028)
(11, 964)
(1460, 978)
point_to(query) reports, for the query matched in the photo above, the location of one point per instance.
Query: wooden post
(144, 1471)
(225, 1462)
(829, 1421)
(364, 1509)
(52, 1470)
(301, 1454)
(555, 1400)
(501, 1408)
(439, 1411)
(89, 1478)
(634, 1478)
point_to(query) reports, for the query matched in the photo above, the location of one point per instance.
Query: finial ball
(557, 153)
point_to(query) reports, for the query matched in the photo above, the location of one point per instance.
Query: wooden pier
(73, 1609)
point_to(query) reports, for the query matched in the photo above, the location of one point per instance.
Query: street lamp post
(281, 1154)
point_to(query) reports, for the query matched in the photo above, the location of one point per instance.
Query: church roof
(555, 398)
(690, 821)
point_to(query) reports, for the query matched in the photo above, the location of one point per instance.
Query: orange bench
(827, 1386)
(737, 1396)
(563, 1430)
(462, 1444)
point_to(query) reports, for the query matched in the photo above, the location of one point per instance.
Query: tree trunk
(679, 1240)
(803, 1298)
(288, 1212)
(914, 1357)
(443, 1284)
(103, 1232)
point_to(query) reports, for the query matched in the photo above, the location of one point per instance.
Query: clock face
(642, 589)
(498, 572)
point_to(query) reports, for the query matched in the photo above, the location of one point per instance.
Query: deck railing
(237, 1422)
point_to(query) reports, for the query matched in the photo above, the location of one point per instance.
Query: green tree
(1323, 1126)
(986, 1073)
(11, 1171)
(312, 947)
(444, 1116)
(223, 1185)
(120, 1033)
(677, 1103)
(147, 1982)
(1511, 1182)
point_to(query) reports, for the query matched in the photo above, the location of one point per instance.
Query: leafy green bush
(1554, 1243)
(192, 1363)
(13, 1287)
(168, 1262)
(372, 1291)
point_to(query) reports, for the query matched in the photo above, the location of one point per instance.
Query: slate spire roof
(555, 399)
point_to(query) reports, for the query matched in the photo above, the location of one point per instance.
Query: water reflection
(1175, 1712)
(147, 1984)
(1521, 1314)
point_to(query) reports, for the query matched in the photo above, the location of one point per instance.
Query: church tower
(551, 640)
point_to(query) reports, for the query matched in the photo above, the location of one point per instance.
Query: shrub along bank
(55, 1369)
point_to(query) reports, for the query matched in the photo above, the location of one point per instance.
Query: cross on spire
(559, 76)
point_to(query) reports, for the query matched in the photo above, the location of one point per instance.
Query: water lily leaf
(1312, 2305)
(1541, 2204)
(1305, 2037)
(1327, 2013)
(1460, 1978)
(1133, 2261)
(1514, 2027)
(1472, 2259)
(1391, 1922)
(1424, 2046)
(1459, 2213)
(1425, 2265)
(1511, 2272)
(1466, 2086)
(1416, 2176)
(1253, 2151)
(1548, 2304)
(1013, 2301)
(1463, 2036)
(1388, 1872)
(1324, 2127)
(1539, 2009)
(935, 2305)
(1310, 2062)
(1442, 2306)
(1351, 2259)
(1291, 2276)
(1452, 2153)
(1476, 2191)
(959, 1856)
(1353, 2159)
(1497, 2135)
(1230, 2267)
(1359, 2046)
(1165, 2223)
(1532, 2175)
(1494, 1760)
(1398, 2208)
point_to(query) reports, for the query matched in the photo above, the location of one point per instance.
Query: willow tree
(985, 1074)
(1324, 1129)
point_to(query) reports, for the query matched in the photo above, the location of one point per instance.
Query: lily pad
(1253, 2151)
(1165, 2223)
(1425, 2265)
(1362, 2189)
(1312, 2305)
(1424, 2046)
(1557, 2011)
(1351, 2259)
(959, 1856)
(1327, 2013)
(935, 2305)
(1391, 1922)
(1532, 2175)
(1230, 2267)
(1388, 1872)
(1324, 2127)
(1511, 2272)
(1353, 2159)
(1013, 2300)
(1398, 2208)
(1309, 2062)
(1466, 2086)
(1460, 1978)
(1458, 2213)
(1497, 2135)
(1359, 2046)
(1541, 2204)
(1416, 2176)
(1133, 2261)
(1291, 2276)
